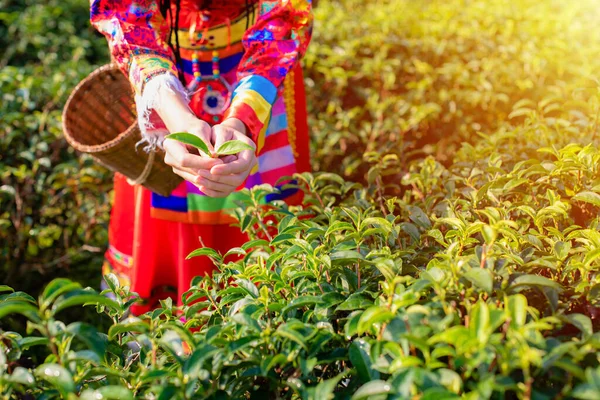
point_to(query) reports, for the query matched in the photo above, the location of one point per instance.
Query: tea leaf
(588, 197)
(190, 139)
(233, 147)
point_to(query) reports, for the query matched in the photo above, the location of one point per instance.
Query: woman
(222, 70)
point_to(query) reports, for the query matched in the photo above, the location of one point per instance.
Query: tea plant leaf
(111, 392)
(56, 288)
(287, 332)
(346, 255)
(238, 251)
(18, 307)
(301, 302)
(4, 288)
(284, 237)
(18, 296)
(419, 217)
(22, 376)
(82, 297)
(128, 326)
(356, 301)
(205, 251)
(373, 315)
(582, 322)
(112, 282)
(248, 286)
(588, 197)
(255, 243)
(529, 280)
(190, 139)
(27, 342)
(480, 322)
(233, 147)
(246, 320)
(325, 389)
(89, 335)
(57, 376)
(481, 278)
(373, 388)
(517, 309)
(360, 358)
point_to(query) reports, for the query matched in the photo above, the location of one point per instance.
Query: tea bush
(53, 204)
(463, 264)
(415, 73)
(480, 281)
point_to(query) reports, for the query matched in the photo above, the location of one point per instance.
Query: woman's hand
(178, 117)
(185, 162)
(226, 177)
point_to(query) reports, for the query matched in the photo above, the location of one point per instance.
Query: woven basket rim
(91, 149)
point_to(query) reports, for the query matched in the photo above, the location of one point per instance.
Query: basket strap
(144, 175)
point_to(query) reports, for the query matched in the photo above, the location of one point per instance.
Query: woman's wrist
(236, 124)
(174, 110)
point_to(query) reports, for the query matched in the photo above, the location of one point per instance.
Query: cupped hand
(184, 159)
(224, 178)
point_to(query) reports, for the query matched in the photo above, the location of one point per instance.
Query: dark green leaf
(360, 358)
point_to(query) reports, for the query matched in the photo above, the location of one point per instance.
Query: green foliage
(465, 265)
(417, 78)
(476, 283)
(53, 204)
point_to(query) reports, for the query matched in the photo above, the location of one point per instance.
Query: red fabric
(159, 247)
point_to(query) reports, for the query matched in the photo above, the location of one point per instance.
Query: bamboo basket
(100, 119)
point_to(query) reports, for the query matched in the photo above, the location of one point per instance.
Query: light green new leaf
(373, 388)
(190, 139)
(233, 147)
(588, 197)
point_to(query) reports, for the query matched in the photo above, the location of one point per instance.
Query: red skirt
(148, 254)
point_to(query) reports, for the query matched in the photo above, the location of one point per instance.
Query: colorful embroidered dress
(251, 46)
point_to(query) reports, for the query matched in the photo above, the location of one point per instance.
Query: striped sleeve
(273, 46)
(135, 31)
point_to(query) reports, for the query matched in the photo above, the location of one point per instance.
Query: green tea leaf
(535, 281)
(480, 322)
(18, 307)
(205, 251)
(4, 288)
(56, 288)
(373, 315)
(111, 392)
(82, 297)
(301, 302)
(582, 322)
(190, 139)
(481, 278)
(517, 309)
(588, 197)
(128, 326)
(57, 376)
(356, 301)
(373, 388)
(233, 147)
(360, 358)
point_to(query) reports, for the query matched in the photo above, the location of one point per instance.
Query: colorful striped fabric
(258, 52)
(275, 160)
